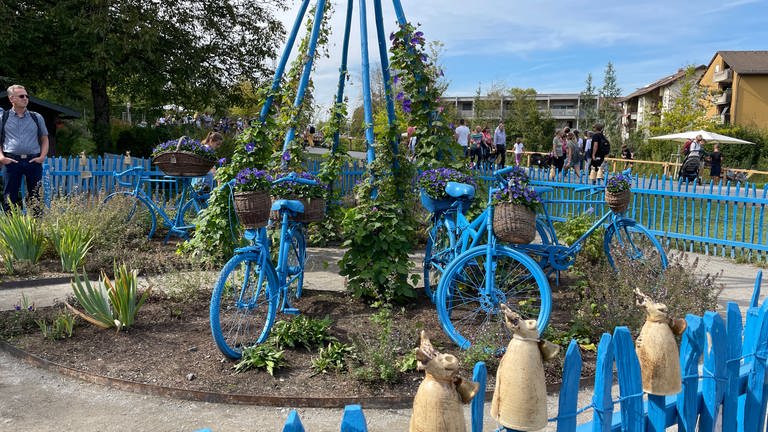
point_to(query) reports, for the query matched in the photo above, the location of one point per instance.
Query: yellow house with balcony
(739, 81)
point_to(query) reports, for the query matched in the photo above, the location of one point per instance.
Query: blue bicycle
(251, 289)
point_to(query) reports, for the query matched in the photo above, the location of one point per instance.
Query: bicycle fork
(283, 270)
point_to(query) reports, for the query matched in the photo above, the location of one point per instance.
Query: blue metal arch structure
(365, 66)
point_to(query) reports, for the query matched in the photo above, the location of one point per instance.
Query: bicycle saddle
(460, 190)
(292, 205)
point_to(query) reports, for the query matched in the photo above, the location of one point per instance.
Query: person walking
(476, 150)
(600, 149)
(500, 141)
(715, 164)
(519, 149)
(626, 154)
(23, 147)
(558, 147)
(587, 150)
(462, 137)
(573, 154)
(489, 150)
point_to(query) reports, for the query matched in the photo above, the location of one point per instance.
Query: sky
(551, 46)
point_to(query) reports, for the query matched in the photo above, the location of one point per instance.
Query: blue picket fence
(724, 386)
(725, 220)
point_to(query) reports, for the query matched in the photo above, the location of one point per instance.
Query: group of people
(484, 149)
(693, 151)
(572, 150)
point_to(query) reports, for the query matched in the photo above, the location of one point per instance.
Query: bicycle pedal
(291, 311)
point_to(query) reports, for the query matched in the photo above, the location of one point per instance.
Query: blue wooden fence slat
(601, 399)
(569, 389)
(353, 419)
(731, 397)
(480, 376)
(630, 380)
(690, 352)
(714, 380)
(757, 387)
(293, 423)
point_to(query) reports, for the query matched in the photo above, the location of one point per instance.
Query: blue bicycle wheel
(438, 254)
(470, 313)
(297, 256)
(629, 245)
(243, 304)
(135, 212)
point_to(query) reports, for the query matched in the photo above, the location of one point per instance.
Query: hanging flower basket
(252, 208)
(185, 158)
(618, 202)
(514, 223)
(314, 210)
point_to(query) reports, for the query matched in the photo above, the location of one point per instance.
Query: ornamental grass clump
(433, 181)
(110, 303)
(187, 145)
(72, 243)
(21, 238)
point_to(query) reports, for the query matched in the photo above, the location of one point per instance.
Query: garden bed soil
(171, 346)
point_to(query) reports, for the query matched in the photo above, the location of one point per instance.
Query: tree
(588, 112)
(154, 53)
(609, 110)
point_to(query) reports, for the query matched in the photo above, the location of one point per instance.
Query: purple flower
(392, 36)
(395, 79)
(400, 96)
(423, 58)
(286, 156)
(419, 34)
(441, 72)
(407, 106)
(250, 147)
(17, 307)
(374, 208)
(222, 161)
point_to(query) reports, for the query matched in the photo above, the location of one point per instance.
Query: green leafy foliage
(302, 331)
(22, 319)
(384, 358)
(72, 243)
(262, 356)
(572, 229)
(21, 238)
(62, 326)
(109, 304)
(332, 358)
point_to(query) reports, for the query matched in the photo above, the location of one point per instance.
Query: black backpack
(4, 120)
(603, 145)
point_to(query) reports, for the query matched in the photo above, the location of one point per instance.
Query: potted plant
(432, 184)
(252, 201)
(618, 193)
(184, 157)
(514, 212)
(311, 195)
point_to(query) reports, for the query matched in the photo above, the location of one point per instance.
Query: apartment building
(565, 108)
(640, 106)
(739, 79)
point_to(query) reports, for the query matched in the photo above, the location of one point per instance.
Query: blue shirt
(22, 135)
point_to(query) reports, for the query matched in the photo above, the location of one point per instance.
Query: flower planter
(514, 223)
(618, 202)
(252, 208)
(183, 164)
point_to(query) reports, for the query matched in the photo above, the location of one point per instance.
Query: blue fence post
(293, 423)
(480, 376)
(731, 397)
(714, 378)
(757, 387)
(630, 382)
(690, 352)
(569, 389)
(353, 419)
(601, 399)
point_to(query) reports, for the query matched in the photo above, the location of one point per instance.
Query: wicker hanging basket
(618, 202)
(182, 163)
(252, 208)
(314, 210)
(514, 223)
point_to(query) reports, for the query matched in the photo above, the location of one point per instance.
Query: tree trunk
(101, 127)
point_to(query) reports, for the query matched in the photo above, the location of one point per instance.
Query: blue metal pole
(343, 69)
(385, 71)
(366, 78)
(399, 12)
(284, 60)
(307, 68)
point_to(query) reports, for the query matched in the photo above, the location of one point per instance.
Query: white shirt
(462, 135)
(518, 147)
(695, 148)
(588, 149)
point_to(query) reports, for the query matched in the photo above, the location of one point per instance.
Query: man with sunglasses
(24, 147)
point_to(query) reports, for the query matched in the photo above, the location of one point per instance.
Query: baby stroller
(689, 170)
(541, 160)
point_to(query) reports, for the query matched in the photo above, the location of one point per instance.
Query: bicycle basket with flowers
(312, 196)
(432, 184)
(252, 202)
(514, 212)
(618, 193)
(184, 157)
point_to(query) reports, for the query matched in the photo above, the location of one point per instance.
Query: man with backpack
(600, 149)
(23, 147)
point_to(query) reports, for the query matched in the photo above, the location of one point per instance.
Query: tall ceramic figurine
(657, 349)
(520, 397)
(437, 406)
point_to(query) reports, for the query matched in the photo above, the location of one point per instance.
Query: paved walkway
(37, 400)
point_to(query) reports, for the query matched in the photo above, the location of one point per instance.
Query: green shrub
(21, 238)
(110, 304)
(263, 356)
(332, 358)
(302, 331)
(72, 243)
(73, 137)
(572, 229)
(386, 357)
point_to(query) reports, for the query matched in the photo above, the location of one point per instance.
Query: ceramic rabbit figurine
(520, 397)
(437, 406)
(657, 349)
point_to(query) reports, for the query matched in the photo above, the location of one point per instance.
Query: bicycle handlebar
(503, 170)
(137, 169)
(294, 178)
